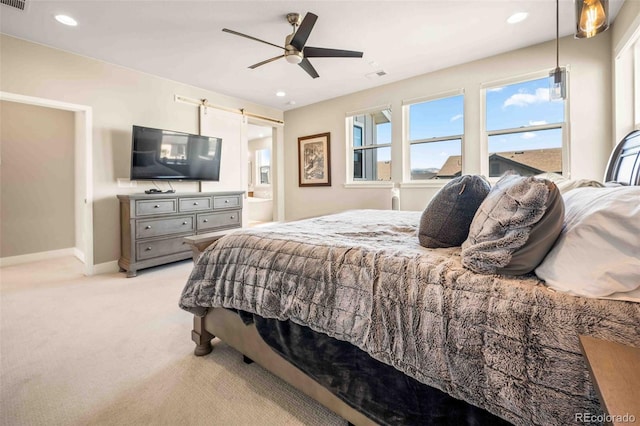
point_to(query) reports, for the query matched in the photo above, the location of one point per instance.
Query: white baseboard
(34, 257)
(106, 268)
(79, 254)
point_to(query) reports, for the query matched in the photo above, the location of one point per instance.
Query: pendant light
(558, 77)
(592, 17)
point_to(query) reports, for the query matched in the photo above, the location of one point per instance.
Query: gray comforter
(508, 345)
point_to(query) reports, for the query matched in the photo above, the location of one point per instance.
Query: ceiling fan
(295, 51)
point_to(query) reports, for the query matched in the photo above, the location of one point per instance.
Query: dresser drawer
(164, 247)
(207, 221)
(227, 202)
(195, 204)
(166, 226)
(150, 207)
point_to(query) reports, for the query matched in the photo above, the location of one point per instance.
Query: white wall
(119, 97)
(590, 122)
(626, 26)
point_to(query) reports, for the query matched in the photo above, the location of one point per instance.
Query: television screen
(167, 155)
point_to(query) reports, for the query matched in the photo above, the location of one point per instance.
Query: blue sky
(513, 106)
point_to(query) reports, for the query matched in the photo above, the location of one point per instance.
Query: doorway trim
(277, 159)
(83, 143)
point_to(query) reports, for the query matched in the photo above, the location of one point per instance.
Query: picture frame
(314, 160)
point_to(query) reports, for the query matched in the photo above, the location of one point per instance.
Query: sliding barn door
(232, 128)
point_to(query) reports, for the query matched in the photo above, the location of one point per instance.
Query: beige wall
(37, 179)
(120, 97)
(590, 121)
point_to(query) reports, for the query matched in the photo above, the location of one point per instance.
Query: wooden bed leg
(201, 337)
(246, 359)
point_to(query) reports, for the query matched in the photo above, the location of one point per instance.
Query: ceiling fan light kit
(295, 49)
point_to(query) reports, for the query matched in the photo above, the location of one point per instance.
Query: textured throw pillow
(445, 222)
(598, 252)
(565, 185)
(514, 227)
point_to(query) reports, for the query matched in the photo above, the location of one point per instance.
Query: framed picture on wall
(314, 160)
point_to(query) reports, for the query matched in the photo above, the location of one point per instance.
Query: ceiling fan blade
(306, 65)
(226, 30)
(321, 52)
(266, 62)
(301, 36)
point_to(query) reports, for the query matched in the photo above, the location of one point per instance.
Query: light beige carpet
(78, 350)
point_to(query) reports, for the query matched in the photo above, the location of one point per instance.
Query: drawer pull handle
(206, 220)
(148, 249)
(184, 223)
(147, 227)
(157, 206)
(195, 203)
(232, 217)
(226, 201)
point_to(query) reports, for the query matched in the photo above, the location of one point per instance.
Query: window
(525, 129)
(263, 163)
(370, 147)
(435, 130)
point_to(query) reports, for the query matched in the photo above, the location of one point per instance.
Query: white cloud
(528, 135)
(523, 99)
(444, 154)
(456, 117)
(537, 123)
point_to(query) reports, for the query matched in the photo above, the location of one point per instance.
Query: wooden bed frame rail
(229, 327)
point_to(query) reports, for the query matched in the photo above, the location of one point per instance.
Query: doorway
(83, 173)
(260, 189)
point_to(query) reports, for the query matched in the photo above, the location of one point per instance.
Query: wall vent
(18, 4)
(376, 74)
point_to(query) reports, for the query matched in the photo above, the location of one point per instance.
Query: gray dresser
(153, 226)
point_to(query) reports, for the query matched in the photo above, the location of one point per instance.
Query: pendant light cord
(557, 34)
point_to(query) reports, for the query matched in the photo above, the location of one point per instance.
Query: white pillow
(598, 252)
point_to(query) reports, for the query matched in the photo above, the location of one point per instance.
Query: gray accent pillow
(446, 220)
(515, 227)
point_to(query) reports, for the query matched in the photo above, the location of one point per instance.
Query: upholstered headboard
(624, 164)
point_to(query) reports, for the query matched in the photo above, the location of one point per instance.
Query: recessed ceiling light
(517, 17)
(280, 93)
(67, 20)
(291, 102)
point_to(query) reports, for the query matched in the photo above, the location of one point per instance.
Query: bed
(351, 310)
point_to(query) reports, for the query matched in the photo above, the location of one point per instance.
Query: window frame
(636, 80)
(406, 145)
(486, 134)
(350, 181)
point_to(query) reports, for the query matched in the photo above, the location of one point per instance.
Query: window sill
(368, 185)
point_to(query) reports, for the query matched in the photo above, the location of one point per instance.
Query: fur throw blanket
(508, 345)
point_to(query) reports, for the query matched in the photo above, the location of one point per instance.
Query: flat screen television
(167, 155)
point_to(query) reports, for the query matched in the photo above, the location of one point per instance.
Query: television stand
(153, 226)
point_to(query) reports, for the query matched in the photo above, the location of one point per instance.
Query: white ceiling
(182, 40)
